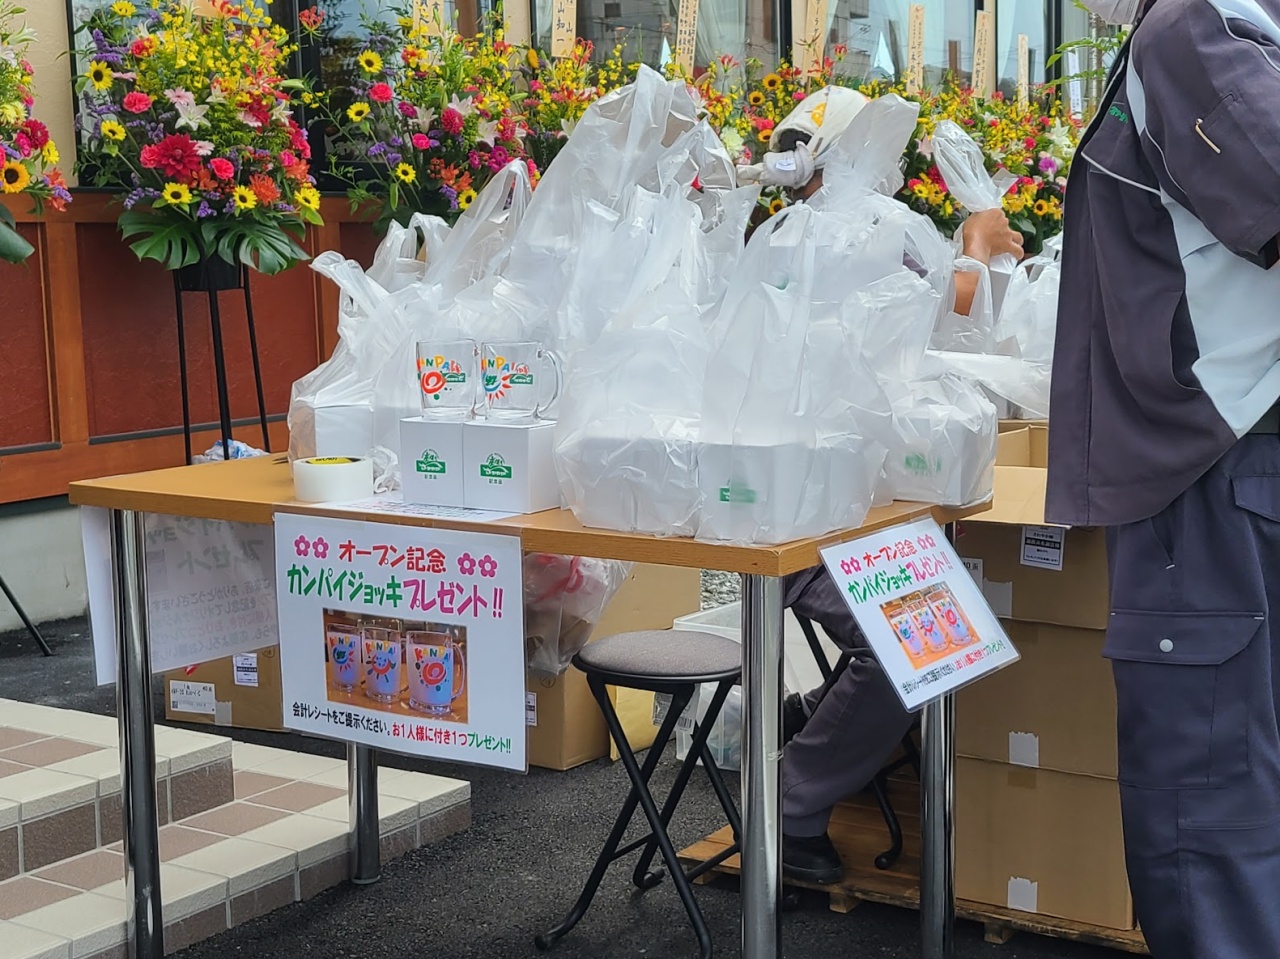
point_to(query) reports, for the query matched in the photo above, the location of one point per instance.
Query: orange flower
(463, 183)
(56, 179)
(264, 188)
(298, 171)
(449, 175)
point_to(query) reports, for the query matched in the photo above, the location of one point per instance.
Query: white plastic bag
(945, 444)
(1029, 317)
(564, 597)
(403, 254)
(793, 423)
(1023, 383)
(961, 163)
(626, 440)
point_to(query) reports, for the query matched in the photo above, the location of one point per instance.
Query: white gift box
(509, 466)
(432, 462)
(945, 445)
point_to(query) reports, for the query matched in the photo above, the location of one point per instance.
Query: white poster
(920, 610)
(403, 638)
(211, 589)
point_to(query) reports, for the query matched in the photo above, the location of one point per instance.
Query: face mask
(1118, 12)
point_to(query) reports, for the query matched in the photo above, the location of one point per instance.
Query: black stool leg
(643, 877)
(651, 813)
(639, 790)
(886, 859)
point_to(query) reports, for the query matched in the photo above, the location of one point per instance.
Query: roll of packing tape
(332, 479)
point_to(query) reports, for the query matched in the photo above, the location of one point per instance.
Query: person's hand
(988, 234)
(791, 170)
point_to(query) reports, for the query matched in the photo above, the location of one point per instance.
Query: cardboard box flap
(1019, 497)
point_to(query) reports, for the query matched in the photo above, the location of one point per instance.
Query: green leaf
(172, 241)
(13, 248)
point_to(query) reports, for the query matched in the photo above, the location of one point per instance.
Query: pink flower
(533, 169)
(22, 143)
(407, 109)
(798, 95)
(288, 159)
(421, 141)
(381, 93)
(136, 102)
(473, 160)
(451, 121)
(181, 98)
(222, 168)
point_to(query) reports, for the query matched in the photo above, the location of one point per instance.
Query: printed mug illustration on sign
(437, 671)
(344, 656)
(929, 624)
(511, 388)
(383, 654)
(447, 379)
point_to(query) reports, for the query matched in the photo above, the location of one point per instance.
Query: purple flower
(1048, 165)
(204, 210)
(395, 141)
(377, 150)
(450, 194)
(394, 158)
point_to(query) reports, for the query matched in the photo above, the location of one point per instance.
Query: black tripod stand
(26, 620)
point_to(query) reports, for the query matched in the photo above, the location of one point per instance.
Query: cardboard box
(1031, 572)
(241, 691)
(509, 467)
(566, 728)
(1053, 709)
(1042, 842)
(431, 462)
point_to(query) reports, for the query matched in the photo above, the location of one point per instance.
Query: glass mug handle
(460, 680)
(558, 373)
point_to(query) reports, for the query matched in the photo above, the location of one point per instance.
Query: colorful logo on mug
(495, 467)
(500, 374)
(437, 372)
(430, 462)
(433, 670)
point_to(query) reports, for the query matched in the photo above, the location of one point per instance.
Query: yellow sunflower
(771, 82)
(245, 199)
(776, 206)
(111, 130)
(532, 58)
(308, 198)
(14, 177)
(405, 173)
(764, 135)
(49, 153)
(1041, 208)
(100, 75)
(370, 62)
(466, 198)
(755, 98)
(123, 8)
(176, 194)
(357, 112)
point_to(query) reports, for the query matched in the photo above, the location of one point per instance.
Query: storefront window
(1015, 18)
(875, 34)
(646, 29)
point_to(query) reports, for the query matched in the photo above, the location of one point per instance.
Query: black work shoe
(811, 859)
(793, 717)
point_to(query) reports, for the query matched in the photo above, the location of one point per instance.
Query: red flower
(421, 141)
(264, 188)
(143, 47)
(451, 121)
(22, 143)
(222, 168)
(381, 93)
(1029, 143)
(298, 140)
(311, 18)
(136, 102)
(176, 155)
(37, 133)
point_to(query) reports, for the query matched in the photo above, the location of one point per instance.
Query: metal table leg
(362, 792)
(137, 737)
(761, 750)
(937, 860)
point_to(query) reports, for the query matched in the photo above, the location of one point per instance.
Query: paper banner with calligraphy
(921, 611)
(983, 72)
(811, 43)
(687, 34)
(1024, 69)
(915, 48)
(564, 25)
(211, 589)
(403, 638)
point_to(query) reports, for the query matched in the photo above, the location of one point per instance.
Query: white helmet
(820, 118)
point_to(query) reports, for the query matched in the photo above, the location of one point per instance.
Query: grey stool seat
(675, 663)
(662, 656)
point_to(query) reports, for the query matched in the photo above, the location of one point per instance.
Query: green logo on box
(431, 463)
(520, 379)
(919, 464)
(734, 493)
(495, 467)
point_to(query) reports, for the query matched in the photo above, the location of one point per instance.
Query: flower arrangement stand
(212, 277)
(26, 620)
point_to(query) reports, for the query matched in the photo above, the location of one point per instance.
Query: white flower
(204, 148)
(567, 127)
(191, 116)
(465, 107)
(1060, 136)
(426, 116)
(925, 148)
(733, 142)
(180, 97)
(216, 96)
(487, 131)
(249, 120)
(280, 112)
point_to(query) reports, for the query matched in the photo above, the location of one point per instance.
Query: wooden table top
(253, 490)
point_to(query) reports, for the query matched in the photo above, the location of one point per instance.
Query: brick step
(60, 782)
(282, 838)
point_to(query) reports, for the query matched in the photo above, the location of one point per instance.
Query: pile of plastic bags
(746, 392)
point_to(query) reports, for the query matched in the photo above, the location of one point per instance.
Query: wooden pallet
(858, 831)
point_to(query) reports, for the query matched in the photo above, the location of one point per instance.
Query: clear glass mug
(448, 378)
(437, 671)
(383, 654)
(512, 379)
(343, 644)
